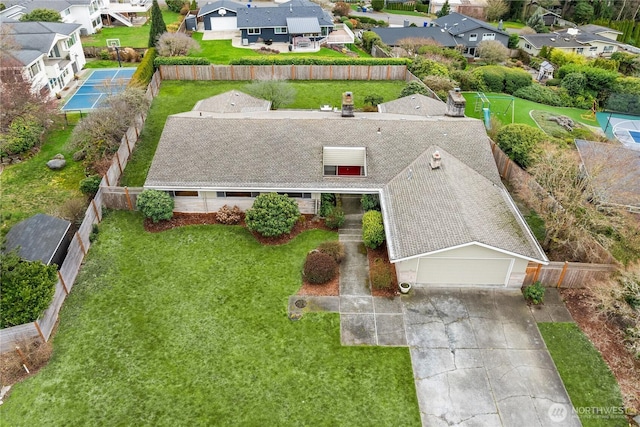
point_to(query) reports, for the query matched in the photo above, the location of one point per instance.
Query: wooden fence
(284, 72)
(567, 274)
(80, 244)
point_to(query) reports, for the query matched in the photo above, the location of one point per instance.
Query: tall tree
(157, 24)
(583, 12)
(446, 9)
(496, 9)
(42, 15)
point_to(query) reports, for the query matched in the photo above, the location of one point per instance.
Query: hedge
(597, 78)
(277, 60)
(372, 229)
(180, 60)
(502, 79)
(144, 73)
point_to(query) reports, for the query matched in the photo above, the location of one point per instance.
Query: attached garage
(471, 265)
(227, 23)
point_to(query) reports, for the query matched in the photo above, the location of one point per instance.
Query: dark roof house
(392, 36)
(41, 237)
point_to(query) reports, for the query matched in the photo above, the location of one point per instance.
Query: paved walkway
(479, 360)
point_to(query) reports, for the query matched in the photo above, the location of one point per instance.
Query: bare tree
(412, 45)
(279, 92)
(496, 9)
(176, 44)
(492, 51)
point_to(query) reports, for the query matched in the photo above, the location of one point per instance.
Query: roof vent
(435, 160)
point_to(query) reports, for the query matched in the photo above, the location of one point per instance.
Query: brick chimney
(455, 104)
(347, 104)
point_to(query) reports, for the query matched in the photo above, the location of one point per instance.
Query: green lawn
(180, 96)
(137, 37)
(509, 24)
(222, 51)
(405, 12)
(502, 109)
(31, 187)
(585, 374)
(190, 327)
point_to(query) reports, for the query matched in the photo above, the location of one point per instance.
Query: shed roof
(38, 237)
(414, 105)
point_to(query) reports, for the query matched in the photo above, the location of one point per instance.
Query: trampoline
(100, 84)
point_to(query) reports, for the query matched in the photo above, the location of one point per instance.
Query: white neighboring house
(586, 40)
(50, 55)
(87, 13)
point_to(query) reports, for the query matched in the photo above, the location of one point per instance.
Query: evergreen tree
(157, 24)
(446, 9)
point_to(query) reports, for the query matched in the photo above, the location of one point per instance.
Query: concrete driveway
(479, 360)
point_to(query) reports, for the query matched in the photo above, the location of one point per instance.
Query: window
(489, 36)
(236, 194)
(280, 30)
(527, 46)
(297, 195)
(253, 31)
(580, 50)
(473, 37)
(64, 13)
(96, 22)
(183, 193)
(331, 170)
(608, 49)
(593, 49)
(34, 69)
(471, 51)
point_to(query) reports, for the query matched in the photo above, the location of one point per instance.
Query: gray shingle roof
(36, 38)
(615, 171)
(30, 5)
(451, 206)
(224, 4)
(595, 29)
(415, 105)
(282, 151)
(37, 237)
(551, 40)
(266, 17)
(457, 23)
(391, 36)
(232, 102)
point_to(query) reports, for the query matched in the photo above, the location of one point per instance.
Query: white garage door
(229, 23)
(461, 271)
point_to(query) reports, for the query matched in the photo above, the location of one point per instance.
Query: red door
(350, 170)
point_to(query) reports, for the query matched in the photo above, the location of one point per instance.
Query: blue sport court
(99, 85)
(623, 127)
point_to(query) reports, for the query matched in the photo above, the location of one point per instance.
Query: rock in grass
(56, 164)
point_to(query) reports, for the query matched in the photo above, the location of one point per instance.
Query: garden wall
(80, 244)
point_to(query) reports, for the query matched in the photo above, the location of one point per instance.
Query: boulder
(56, 164)
(58, 157)
(563, 121)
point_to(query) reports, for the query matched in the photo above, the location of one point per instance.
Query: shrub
(373, 99)
(229, 216)
(313, 60)
(22, 135)
(467, 80)
(278, 92)
(381, 274)
(175, 5)
(272, 215)
(515, 79)
(574, 83)
(176, 44)
(514, 39)
(553, 82)
(534, 293)
(333, 248)
(440, 85)
(369, 39)
(90, 185)
(327, 202)
(27, 289)
(341, 9)
(377, 5)
(414, 87)
(335, 218)
(155, 204)
(520, 142)
(492, 51)
(370, 202)
(73, 210)
(372, 229)
(180, 60)
(541, 94)
(319, 268)
(421, 67)
(502, 79)
(597, 78)
(144, 73)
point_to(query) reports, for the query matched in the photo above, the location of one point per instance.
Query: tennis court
(623, 127)
(99, 85)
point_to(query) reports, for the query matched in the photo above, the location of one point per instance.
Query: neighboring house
(548, 17)
(391, 36)
(40, 238)
(436, 5)
(220, 15)
(50, 55)
(87, 13)
(581, 40)
(615, 173)
(452, 225)
(469, 32)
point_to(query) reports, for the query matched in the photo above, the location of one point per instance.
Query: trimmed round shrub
(272, 215)
(381, 274)
(372, 229)
(90, 185)
(27, 289)
(319, 268)
(520, 142)
(335, 218)
(229, 216)
(155, 204)
(333, 248)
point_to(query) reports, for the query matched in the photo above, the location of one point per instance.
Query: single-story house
(220, 15)
(41, 238)
(601, 31)
(392, 36)
(448, 218)
(615, 173)
(469, 32)
(572, 40)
